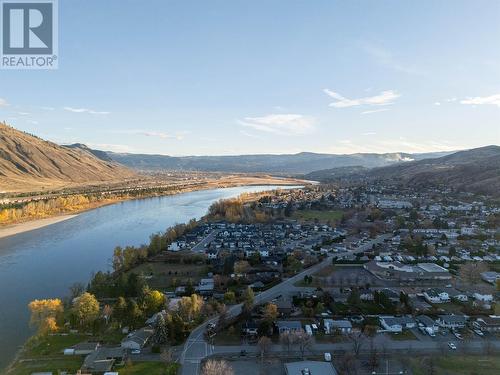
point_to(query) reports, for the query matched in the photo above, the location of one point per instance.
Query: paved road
(196, 348)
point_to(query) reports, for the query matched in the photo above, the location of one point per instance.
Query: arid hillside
(30, 163)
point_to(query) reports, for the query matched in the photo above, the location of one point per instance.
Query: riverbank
(28, 224)
(12, 230)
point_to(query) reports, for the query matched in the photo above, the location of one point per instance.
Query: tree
(248, 300)
(303, 340)
(120, 310)
(153, 302)
(213, 367)
(229, 297)
(470, 272)
(222, 321)
(75, 290)
(160, 335)
(107, 312)
(45, 314)
(270, 312)
(264, 344)
(241, 267)
(357, 340)
(190, 307)
(287, 340)
(133, 314)
(86, 309)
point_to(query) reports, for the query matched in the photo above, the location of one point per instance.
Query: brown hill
(476, 170)
(28, 163)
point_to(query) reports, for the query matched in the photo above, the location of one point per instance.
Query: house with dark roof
(451, 321)
(288, 326)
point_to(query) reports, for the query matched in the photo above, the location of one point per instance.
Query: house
(428, 323)
(397, 324)
(488, 323)
(451, 321)
(342, 326)
(457, 295)
(102, 359)
(310, 368)
(483, 297)
(288, 326)
(206, 286)
(284, 306)
(138, 339)
(490, 276)
(434, 295)
(83, 348)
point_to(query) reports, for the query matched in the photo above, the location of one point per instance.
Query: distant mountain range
(476, 170)
(286, 164)
(30, 163)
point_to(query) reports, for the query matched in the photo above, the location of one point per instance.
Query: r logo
(27, 28)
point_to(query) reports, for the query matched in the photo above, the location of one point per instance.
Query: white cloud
(480, 100)
(86, 110)
(178, 136)
(384, 98)
(283, 124)
(111, 147)
(450, 100)
(386, 58)
(437, 103)
(375, 111)
(369, 133)
(3, 103)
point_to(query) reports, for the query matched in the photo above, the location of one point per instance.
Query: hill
(31, 163)
(286, 164)
(476, 170)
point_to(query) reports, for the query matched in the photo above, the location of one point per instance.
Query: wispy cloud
(386, 58)
(85, 110)
(375, 111)
(161, 135)
(437, 103)
(481, 100)
(3, 103)
(369, 133)
(384, 98)
(111, 147)
(283, 124)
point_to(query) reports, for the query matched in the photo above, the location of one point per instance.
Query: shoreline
(27, 226)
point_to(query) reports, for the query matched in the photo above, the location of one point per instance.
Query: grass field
(165, 275)
(149, 368)
(321, 216)
(457, 365)
(405, 335)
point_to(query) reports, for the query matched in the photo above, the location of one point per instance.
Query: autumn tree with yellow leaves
(45, 314)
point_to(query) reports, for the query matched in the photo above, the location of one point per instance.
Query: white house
(451, 321)
(332, 326)
(137, 339)
(436, 296)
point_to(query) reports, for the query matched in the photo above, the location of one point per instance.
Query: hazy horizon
(239, 78)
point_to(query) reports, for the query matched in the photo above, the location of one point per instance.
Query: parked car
(479, 332)
(458, 335)
(452, 346)
(136, 351)
(328, 357)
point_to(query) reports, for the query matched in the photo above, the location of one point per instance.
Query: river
(43, 263)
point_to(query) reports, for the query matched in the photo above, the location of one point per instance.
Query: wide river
(43, 263)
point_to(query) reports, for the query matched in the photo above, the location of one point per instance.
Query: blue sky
(268, 76)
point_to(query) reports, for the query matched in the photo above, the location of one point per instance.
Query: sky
(266, 76)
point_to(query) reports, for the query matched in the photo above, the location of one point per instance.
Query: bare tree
(470, 272)
(303, 340)
(214, 367)
(264, 346)
(358, 340)
(287, 340)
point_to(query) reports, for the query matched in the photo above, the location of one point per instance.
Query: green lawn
(68, 363)
(164, 275)
(52, 345)
(149, 368)
(321, 216)
(458, 365)
(405, 335)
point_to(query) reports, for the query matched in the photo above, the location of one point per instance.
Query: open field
(457, 365)
(149, 368)
(321, 216)
(168, 275)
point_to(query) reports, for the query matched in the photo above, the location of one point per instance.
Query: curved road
(196, 348)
